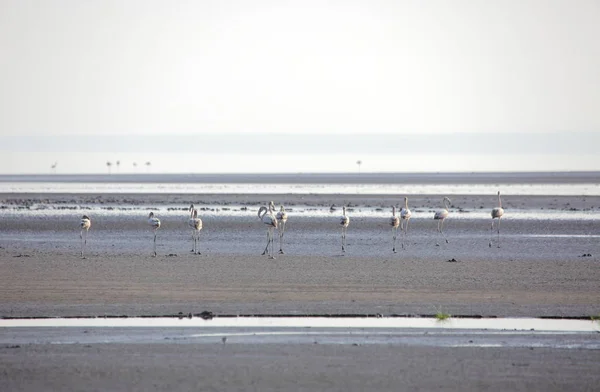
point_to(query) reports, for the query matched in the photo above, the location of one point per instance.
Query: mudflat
(162, 366)
(541, 269)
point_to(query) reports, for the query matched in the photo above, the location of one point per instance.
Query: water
(586, 189)
(237, 210)
(510, 324)
(565, 227)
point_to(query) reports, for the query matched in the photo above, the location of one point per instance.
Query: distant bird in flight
(394, 222)
(195, 224)
(344, 221)
(282, 218)
(267, 217)
(155, 224)
(405, 215)
(497, 213)
(441, 215)
(85, 223)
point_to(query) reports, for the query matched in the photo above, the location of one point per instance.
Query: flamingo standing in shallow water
(267, 217)
(281, 220)
(85, 223)
(394, 222)
(405, 215)
(155, 224)
(344, 221)
(497, 213)
(441, 215)
(195, 224)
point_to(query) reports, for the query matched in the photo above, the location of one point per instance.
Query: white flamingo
(394, 222)
(441, 215)
(282, 218)
(405, 215)
(195, 224)
(85, 223)
(155, 224)
(497, 212)
(344, 221)
(267, 217)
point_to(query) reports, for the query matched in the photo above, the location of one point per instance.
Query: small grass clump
(442, 316)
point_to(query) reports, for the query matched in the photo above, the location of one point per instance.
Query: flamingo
(267, 217)
(394, 222)
(85, 224)
(405, 215)
(344, 221)
(281, 219)
(497, 212)
(195, 224)
(155, 224)
(441, 215)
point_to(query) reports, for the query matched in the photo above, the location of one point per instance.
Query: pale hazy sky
(508, 73)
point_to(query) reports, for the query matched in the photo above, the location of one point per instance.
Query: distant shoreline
(578, 177)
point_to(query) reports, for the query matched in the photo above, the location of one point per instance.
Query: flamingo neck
(499, 201)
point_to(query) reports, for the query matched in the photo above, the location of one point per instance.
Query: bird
(195, 224)
(84, 224)
(266, 216)
(394, 222)
(155, 224)
(282, 218)
(497, 213)
(441, 215)
(344, 221)
(405, 215)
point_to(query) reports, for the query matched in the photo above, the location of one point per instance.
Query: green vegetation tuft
(441, 316)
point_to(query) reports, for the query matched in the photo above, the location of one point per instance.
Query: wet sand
(538, 271)
(259, 367)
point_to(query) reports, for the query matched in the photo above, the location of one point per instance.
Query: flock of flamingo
(277, 222)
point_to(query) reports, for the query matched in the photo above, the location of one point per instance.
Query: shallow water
(586, 189)
(233, 210)
(511, 324)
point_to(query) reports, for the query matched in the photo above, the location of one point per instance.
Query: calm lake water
(586, 189)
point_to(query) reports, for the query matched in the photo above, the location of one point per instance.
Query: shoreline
(469, 201)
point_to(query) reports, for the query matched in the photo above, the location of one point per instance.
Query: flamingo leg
(405, 233)
(81, 238)
(271, 240)
(394, 235)
(197, 242)
(402, 232)
(268, 240)
(154, 242)
(281, 238)
(499, 232)
(442, 231)
(85, 234)
(491, 232)
(193, 239)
